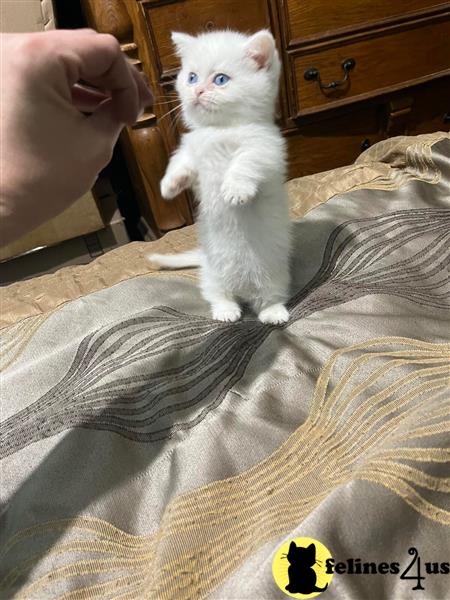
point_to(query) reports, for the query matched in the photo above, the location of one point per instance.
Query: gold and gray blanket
(148, 451)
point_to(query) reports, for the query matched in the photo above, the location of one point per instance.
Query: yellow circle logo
(299, 568)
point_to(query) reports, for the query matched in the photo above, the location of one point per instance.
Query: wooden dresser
(355, 72)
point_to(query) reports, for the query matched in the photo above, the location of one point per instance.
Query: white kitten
(234, 158)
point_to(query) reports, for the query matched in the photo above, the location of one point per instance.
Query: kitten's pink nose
(199, 91)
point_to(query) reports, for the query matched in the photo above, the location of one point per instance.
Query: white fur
(191, 258)
(234, 158)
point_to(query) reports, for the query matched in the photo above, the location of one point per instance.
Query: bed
(148, 451)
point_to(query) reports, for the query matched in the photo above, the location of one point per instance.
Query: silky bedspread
(148, 451)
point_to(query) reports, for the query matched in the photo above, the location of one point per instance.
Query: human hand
(51, 153)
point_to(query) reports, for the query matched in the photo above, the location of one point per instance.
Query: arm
(181, 171)
(51, 153)
(253, 164)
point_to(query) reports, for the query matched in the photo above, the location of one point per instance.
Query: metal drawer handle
(313, 74)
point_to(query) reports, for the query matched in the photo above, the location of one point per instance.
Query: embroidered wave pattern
(16, 338)
(137, 377)
(380, 412)
(163, 371)
(367, 256)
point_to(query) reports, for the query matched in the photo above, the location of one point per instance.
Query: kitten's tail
(318, 589)
(191, 258)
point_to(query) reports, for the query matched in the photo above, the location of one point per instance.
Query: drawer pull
(313, 74)
(447, 117)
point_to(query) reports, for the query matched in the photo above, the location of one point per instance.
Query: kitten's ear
(312, 549)
(261, 48)
(181, 41)
(293, 546)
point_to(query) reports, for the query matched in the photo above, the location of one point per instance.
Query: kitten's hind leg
(223, 306)
(275, 314)
(270, 306)
(226, 310)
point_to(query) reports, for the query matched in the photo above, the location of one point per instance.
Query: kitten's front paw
(277, 314)
(226, 311)
(238, 192)
(173, 184)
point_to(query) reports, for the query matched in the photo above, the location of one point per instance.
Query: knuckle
(31, 54)
(110, 43)
(33, 44)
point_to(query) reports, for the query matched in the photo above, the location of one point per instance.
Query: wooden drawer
(195, 16)
(309, 20)
(383, 64)
(320, 145)
(430, 109)
(324, 142)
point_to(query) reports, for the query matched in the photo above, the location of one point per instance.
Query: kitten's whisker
(175, 121)
(166, 99)
(167, 102)
(170, 54)
(213, 102)
(178, 116)
(167, 94)
(170, 112)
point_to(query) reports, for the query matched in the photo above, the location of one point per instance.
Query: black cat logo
(299, 567)
(302, 577)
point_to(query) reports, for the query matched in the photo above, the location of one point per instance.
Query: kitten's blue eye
(192, 78)
(221, 79)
